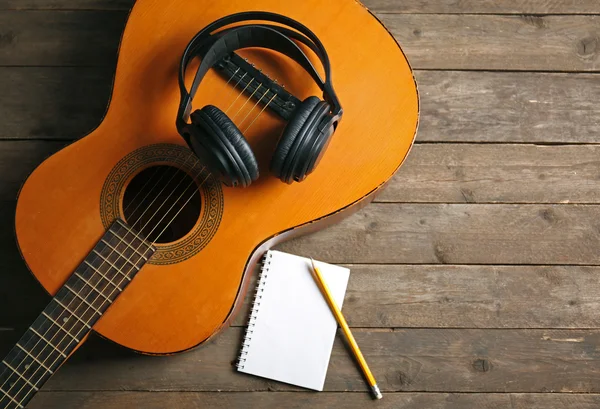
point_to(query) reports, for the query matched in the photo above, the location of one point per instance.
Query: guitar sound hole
(163, 203)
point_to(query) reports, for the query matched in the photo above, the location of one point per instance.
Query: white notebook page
(294, 329)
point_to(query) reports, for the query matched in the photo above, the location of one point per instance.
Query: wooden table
(475, 279)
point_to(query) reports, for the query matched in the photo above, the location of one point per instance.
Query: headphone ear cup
(313, 141)
(232, 158)
(289, 134)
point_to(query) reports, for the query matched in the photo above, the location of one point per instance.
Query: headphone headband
(218, 45)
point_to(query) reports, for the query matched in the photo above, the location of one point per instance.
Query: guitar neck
(70, 316)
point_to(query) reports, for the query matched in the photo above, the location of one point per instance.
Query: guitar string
(241, 93)
(254, 107)
(108, 257)
(164, 173)
(245, 103)
(259, 114)
(104, 262)
(87, 309)
(141, 190)
(232, 75)
(158, 195)
(117, 287)
(155, 185)
(76, 308)
(128, 260)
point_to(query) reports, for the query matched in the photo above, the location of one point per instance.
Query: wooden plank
(469, 297)
(396, 295)
(400, 295)
(268, 400)
(58, 103)
(66, 102)
(508, 107)
(433, 173)
(443, 234)
(431, 41)
(465, 173)
(380, 6)
(459, 234)
(17, 160)
(485, 6)
(59, 38)
(66, 4)
(423, 360)
(498, 42)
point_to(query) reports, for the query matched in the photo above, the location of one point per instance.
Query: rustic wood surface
(225, 400)
(474, 276)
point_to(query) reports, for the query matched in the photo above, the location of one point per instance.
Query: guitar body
(191, 287)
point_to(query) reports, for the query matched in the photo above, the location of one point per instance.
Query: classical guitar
(132, 235)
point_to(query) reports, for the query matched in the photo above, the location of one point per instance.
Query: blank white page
(291, 329)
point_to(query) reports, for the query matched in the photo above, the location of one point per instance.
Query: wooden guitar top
(190, 290)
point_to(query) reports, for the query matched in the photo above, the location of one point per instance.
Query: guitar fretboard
(72, 313)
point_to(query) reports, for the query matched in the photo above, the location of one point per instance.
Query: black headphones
(218, 142)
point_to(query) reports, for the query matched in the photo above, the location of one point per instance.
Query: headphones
(218, 142)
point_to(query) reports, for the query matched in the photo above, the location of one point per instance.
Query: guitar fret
(129, 245)
(34, 358)
(20, 376)
(12, 399)
(93, 287)
(111, 264)
(106, 278)
(83, 299)
(48, 342)
(60, 326)
(72, 313)
(122, 255)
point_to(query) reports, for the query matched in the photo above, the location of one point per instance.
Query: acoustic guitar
(133, 237)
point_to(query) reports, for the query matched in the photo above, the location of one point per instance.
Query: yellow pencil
(342, 321)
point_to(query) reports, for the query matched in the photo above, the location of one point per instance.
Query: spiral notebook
(291, 328)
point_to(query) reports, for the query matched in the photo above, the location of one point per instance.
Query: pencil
(344, 325)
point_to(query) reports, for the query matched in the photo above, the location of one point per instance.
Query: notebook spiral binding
(262, 281)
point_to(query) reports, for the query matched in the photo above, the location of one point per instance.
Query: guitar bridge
(257, 85)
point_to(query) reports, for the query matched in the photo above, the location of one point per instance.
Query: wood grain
(424, 360)
(407, 296)
(380, 6)
(433, 173)
(268, 400)
(508, 107)
(469, 297)
(472, 173)
(459, 234)
(451, 234)
(60, 38)
(498, 42)
(456, 106)
(66, 4)
(43, 99)
(485, 6)
(396, 296)
(52, 102)
(466, 42)
(17, 160)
